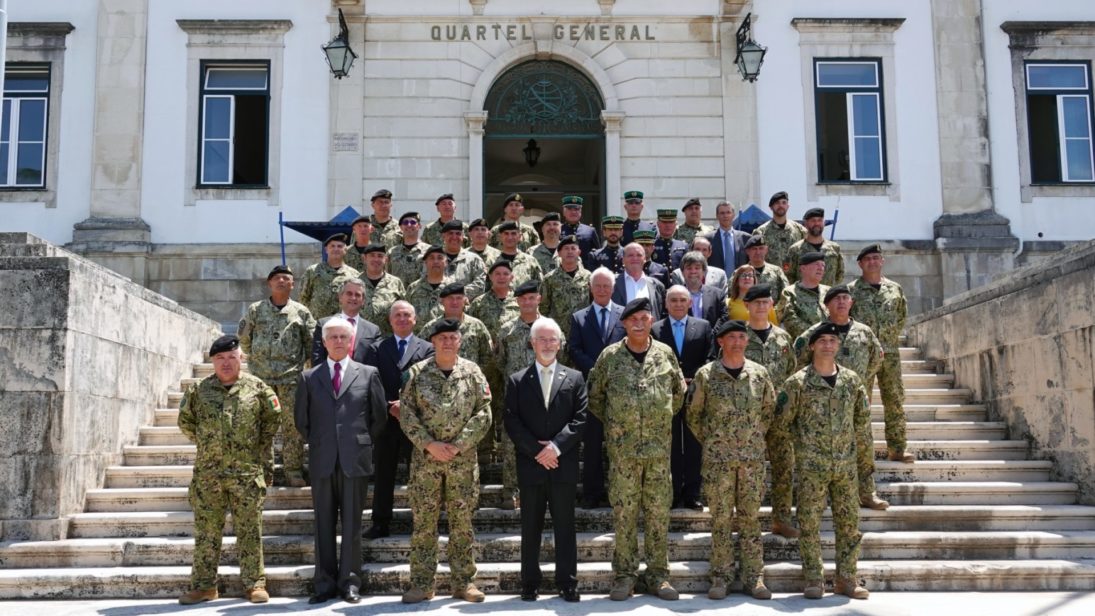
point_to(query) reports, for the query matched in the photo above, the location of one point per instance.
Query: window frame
(1059, 93)
(13, 154)
(849, 92)
(204, 93)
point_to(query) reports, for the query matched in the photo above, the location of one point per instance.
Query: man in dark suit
(708, 302)
(392, 357)
(544, 415)
(727, 239)
(632, 282)
(591, 330)
(351, 297)
(692, 342)
(340, 411)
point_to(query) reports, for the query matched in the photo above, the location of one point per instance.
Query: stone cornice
(234, 27)
(1048, 27)
(39, 28)
(829, 24)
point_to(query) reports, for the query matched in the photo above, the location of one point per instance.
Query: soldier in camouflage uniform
(566, 290)
(478, 242)
(381, 288)
(463, 266)
(815, 242)
(444, 411)
(756, 248)
(635, 388)
(424, 293)
(276, 336)
(361, 230)
(772, 347)
(780, 232)
(495, 308)
(512, 208)
(524, 266)
(546, 252)
(232, 417)
(405, 258)
(821, 405)
(321, 281)
(800, 304)
(446, 211)
(610, 255)
(861, 353)
(385, 228)
(730, 407)
(880, 304)
(476, 343)
(693, 223)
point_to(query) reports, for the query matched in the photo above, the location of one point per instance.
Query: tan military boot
(785, 530)
(717, 590)
(814, 590)
(295, 479)
(666, 592)
(469, 593)
(622, 589)
(900, 455)
(417, 595)
(197, 596)
(873, 502)
(257, 595)
(850, 588)
(759, 590)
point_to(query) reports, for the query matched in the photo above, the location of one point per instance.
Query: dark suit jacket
(586, 338)
(528, 421)
(714, 304)
(655, 289)
(340, 427)
(697, 343)
(384, 356)
(367, 333)
(740, 258)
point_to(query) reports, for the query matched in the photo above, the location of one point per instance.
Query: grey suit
(367, 333)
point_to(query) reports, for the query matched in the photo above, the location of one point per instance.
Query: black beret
(478, 222)
(758, 291)
(840, 289)
(513, 197)
(810, 257)
(361, 219)
(374, 247)
(869, 250)
(383, 193)
(778, 196)
(729, 326)
(636, 305)
(453, 288)
(499, 263)
(407, 215)
(228, 342)
(337, 237)
(824, 329)
(445, 326)
(693, 201)
(525, 288)
(432, 250)
(552, 217)
(814, 212)
(442, 198)
(568, 240)
(755, 240)
(453, 225)
(509, 225)
(279, 269)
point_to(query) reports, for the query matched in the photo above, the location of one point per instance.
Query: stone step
(908, 353)
(592, 547)
(919, 366)
(594, 578)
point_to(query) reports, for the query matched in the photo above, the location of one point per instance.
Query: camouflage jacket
(277, 341)
(884, 310)
(319, 288)
(546, 257)
(686, 233)
(475, 341)
(525, 268)
(379, 299)
(636, 401)
(514, 351)
(453, 409)
(823, 419)
(834, 262)
(388, 234)
(354, 257)
(562, 295)
(731, 416)
(799, 308)
(773, 275)
(859, 351)
(779, 239)
(468, 269)
(431, 234)
(405, 263)
(233, 428)
(529, 237)
(489, 255)
(494, 312)
(776, 354)
(426, 300)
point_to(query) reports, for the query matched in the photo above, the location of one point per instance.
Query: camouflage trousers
(497, 444)
(456, 485)
(892, 389)
(839, 485)
(211, 498)
(735, 489)
(781, 456)
(640, 488)
(864, 458)
(292, 444)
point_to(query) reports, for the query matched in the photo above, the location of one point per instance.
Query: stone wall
(87, 357)
(1025, 345)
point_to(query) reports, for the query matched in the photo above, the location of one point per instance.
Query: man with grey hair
(351, 298)
(713, 276)
(727, 243)
(708, 302)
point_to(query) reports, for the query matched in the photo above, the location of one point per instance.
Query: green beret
(527, 287)
(229, 342)
(814, 212)
(644, 236)
(840, 289)
(869, 250)
(810, 257)
(667, 215)
(612, 221)
(636, 305)
(758, 291)
(445, 326)
(383, 193)
(552, 217)
(730, 326)
(337, 237)
(442, 198)
(509, 225)
(693, 201)
(633, 195)
(279, 269)
(453, 225)
(825, 329)
(513, 197)
(573, 201)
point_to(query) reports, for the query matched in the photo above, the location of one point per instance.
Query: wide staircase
(973, 513)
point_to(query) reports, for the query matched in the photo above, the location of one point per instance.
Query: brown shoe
(470, 594)
(785, 530)
(257, 595)
(900, 455)
(850, 588)
(622, 589)
(717, 590)
(295, 479)
(198, 596)
(759, 590)
(417, 595)
(814, 590)
(873, 502)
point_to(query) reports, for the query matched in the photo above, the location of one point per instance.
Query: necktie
(401, 347)
(545, 383)
(697, 305)
(727, 254)
(604, 319)
(678, 335)
(337, 378)
(353, 324)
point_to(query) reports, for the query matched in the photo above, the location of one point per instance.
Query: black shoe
(321, 598)
(376, 531)
(570, 595)
(694, 504)
(529, 593)
(350, 595)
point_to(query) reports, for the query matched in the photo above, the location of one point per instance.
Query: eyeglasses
(548, 340)
(408, 222)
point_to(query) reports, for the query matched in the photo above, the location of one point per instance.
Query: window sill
(230, 193)
(1032, 191)
(14, 194)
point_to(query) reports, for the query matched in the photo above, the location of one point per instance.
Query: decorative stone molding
(198, 28)
(477, 6)
(606, 6)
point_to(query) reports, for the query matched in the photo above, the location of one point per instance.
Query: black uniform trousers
(685, 458)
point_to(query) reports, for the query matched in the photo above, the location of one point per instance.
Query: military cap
(442, 198)
(499, 263)
(478, 222)
(337, 237)
(552, 217)
(758, 291)
(374, 247)
(755, 240)
(730, 326)
(636, 305)
(431, 250)
(869, 250)
(810, 257)
(633, 195)
(825, 329)
(279, 269)
(573, 201)
(840, 289)
(513, 197)
(530, 286)
(407, 215)
(644, 236)
(445, 326)
(778, 196)
(452, 225)
(669, 215)
(229, 342)
(693, 201)
(612, 221)
(567, 240)
(361, 218)
(453, 288)
(383, 193)
(509, 225)
(814, 212)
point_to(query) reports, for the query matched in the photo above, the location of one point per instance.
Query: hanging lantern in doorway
(532, 153)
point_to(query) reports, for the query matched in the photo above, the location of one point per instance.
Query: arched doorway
(544, 138)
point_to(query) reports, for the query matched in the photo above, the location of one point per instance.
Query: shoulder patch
(275, 404)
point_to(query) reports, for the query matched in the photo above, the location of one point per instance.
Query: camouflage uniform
(514, 353)
(861, 353)
(546, 257)
(319, 288)
(489, 254)
(379, 299)
(529, 237)
(834, 262)
(799, 308)
(779, 239)
(405, 263)
(354, 257)
(455, 410)
(525, 268)
(562, 294)
(278, 343)
(884, 310)
(233, 428)
(389, 234)
(494, 313)
(729, 417)
(431, 234)
(687, 233)
(777, 356)
(426, 300)
(773, 276)
(636, 402)
(822, 420)
(467, 269)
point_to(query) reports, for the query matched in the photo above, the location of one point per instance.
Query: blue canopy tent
(318, 231)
